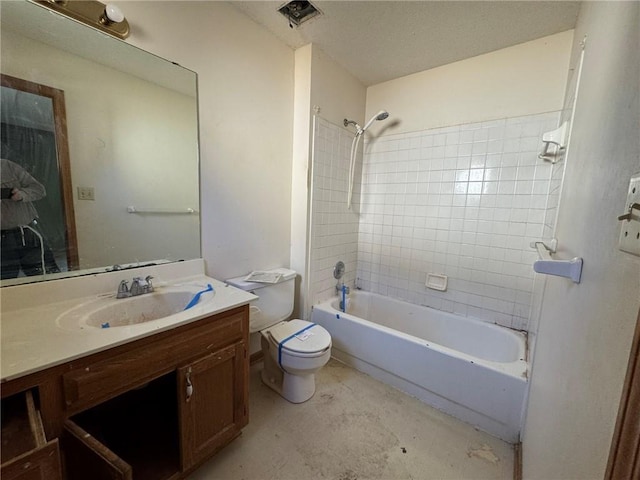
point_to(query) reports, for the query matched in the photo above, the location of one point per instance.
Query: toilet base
(294, 388)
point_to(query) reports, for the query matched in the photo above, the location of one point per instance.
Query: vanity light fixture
(106, 18)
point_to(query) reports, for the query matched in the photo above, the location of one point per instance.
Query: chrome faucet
(139, 286)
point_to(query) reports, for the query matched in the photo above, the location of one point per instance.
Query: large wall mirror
(110, 132)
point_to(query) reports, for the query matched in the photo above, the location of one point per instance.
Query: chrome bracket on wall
(106, 18)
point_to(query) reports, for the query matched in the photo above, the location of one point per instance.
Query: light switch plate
(86, 193)
(630, 232)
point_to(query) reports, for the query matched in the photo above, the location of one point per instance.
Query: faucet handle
(148, 279)
(123, 290)
(137, 287)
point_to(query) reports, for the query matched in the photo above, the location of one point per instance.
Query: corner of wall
(300, 173)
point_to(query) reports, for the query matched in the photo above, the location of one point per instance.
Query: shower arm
(359, 129)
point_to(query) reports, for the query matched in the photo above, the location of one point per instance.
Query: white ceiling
(377, 41)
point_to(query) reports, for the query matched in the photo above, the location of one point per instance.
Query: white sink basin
(111, 312)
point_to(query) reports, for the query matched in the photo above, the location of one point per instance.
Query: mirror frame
(62, 157)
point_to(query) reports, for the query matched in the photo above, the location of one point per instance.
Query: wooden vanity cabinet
(156, 408)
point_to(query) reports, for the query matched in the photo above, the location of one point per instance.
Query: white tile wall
(334, 228)
(464, 201)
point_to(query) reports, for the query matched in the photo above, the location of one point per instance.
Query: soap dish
(437, 281)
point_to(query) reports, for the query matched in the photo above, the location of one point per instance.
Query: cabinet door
(212, 393)
(87, 458)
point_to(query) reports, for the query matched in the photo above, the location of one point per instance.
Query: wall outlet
(86, 193)
(630, 232)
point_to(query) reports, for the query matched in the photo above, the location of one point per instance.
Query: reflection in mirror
(122, 183)
(34, 140)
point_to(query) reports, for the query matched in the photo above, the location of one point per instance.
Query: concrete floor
(354, 428)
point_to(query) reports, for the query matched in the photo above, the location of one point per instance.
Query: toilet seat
(300, 338)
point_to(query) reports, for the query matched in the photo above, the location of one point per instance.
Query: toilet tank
(275, 302)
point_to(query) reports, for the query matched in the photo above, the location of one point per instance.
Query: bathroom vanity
(147, 401)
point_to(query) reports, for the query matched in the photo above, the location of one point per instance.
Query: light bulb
(113, 14)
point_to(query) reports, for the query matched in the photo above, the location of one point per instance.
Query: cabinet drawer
(26, 454)
(100, 381)
(42, 463)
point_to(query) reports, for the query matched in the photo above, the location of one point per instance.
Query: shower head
(381, 115)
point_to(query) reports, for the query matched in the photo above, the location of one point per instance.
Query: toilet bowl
(293, 351)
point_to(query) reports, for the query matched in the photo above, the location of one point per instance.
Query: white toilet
(293, 350)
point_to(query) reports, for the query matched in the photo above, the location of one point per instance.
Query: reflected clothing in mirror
(23, 246)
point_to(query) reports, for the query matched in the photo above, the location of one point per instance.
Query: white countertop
(33, 341)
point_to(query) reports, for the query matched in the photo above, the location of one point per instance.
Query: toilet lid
(301, 336)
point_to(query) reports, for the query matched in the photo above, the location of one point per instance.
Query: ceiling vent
(299, 11)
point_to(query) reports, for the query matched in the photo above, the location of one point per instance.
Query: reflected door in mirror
(34, 140)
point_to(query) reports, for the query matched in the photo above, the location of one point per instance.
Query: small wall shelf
(558, 138)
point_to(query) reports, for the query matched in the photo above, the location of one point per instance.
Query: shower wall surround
(464, 201)
(334, 228)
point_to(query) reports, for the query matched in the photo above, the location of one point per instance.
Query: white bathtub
(470, 369)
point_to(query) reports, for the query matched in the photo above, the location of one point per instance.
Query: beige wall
(245, 80)
(338, 94)
(585, 330)
(509, 82)
(324, 87)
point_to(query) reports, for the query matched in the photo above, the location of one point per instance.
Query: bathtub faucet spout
(339, 286)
